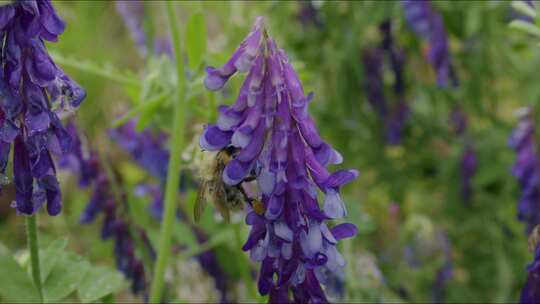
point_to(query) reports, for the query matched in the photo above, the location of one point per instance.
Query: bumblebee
(224, 197)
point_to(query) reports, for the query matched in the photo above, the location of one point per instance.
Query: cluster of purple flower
(308, 14)
(527, 168)
(147, 149)
(33, 92)
(395, 117)
(103, 200)
(468, 166)
(278, 141)
(468, 163)
(445, 273)
(530, 293)
(133, 13)
(427, 23)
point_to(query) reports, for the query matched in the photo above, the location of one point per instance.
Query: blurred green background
(407, 202)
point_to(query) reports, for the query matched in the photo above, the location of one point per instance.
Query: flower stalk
(33, 248)
(173, 175)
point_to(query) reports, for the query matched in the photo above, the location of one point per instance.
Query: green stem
(173, 175)
(32, 239)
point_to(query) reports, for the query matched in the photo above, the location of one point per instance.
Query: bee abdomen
(233, 197)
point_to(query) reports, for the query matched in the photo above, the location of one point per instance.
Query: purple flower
(458, 121)
(133, 14)
(468, 170)
(77, 159)
(530, 293)
(396, 123)
(526, 169)
(103, 201)
(155, 193)
(33, 92)
(445, 273)
(428, 24)
(277, 139)
(308, 14)
(145, 147)
(374, 85)
(515, 15)
(468, 163)
(126, 261)
(394, 116)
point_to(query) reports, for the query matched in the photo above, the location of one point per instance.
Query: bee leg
(244, 194)
(249, 178)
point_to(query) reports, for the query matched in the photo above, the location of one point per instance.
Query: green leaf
(183, 234)
(16, 285)
(65, 277)
(50, 256)
(148, 107)
(107, 71)
(195, 40)
(99, 282)
(525, 27)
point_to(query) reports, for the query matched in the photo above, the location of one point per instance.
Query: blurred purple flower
(396, 123)
(458, 121)
(374, 84)
(445, 273)
(527, 169)
(132, 13)
(308, 14)
(530, 293)
(428, 24)
(469, 165)
(33, 92)
(277, 139)
(145, 147)
(163, 46)
(395, 116)
(78, 159)
(516, 15)
(103, 201)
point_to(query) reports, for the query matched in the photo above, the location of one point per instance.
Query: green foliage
(99, 282)
(17, 285)
(195, 40)
(65, 277)
(496, 59)
(63, 273)
(50, 256)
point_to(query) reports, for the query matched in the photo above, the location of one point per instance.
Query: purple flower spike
(458, 121)
(30, 84)
(103, 201)
(469, 165)
(530, 293)
(241, 60)
(278, 140)
(428, 25)
(133, 13)
(146, 148)
(526, 168)
(393, 116)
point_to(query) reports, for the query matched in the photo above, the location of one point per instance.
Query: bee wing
(200, 202)
(220, 202)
